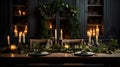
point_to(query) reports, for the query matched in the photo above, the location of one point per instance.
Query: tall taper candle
(23, 37)
(8, 39)
(61, 34)
(20, 34)
(89, 35)
(55, 34)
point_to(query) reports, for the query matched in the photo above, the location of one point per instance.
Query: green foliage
(101, 48)
(113, 44)
(56, 48)
(106, 48)
(49, 9)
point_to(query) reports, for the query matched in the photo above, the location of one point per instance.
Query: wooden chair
(36, 42)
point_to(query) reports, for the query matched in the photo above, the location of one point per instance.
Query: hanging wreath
(49, 9)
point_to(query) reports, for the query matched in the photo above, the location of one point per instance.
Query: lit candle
(19, 12)
(97, 30)
(55, 34)
(89, 35)
(23, 13)
(61, 34)
(23, 37)
(93, 32)
(97, 33)
(13, 47)
(20, 34)
(50, 26)
(15, 30)
(26, 29)
(8, 39)
(96, 38)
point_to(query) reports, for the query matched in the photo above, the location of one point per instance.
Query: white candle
(15, 32)
(89, 35)
(20, 34)
(97, 30)
(93, 32)
(23, 37)
(97, 33)
(19, 12)
(55, 34)
(96, 38)
(8, 39)
(61, 34)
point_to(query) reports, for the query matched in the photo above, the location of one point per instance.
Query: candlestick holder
(21, 47)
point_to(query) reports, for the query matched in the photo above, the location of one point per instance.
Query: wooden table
(61, 58)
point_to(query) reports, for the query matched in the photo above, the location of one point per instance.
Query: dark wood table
(108, 60)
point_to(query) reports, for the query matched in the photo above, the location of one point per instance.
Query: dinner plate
(38, 54)
(84, 54)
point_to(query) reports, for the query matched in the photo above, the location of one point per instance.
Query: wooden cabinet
(95, 16)
(19, 18)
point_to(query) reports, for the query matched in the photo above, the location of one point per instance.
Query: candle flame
(13, 47)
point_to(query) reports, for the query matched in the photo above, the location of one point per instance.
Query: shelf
(19, 17)
(95, 15)
(61, 18)
(94, 5)
(19, 6)
(94, 24)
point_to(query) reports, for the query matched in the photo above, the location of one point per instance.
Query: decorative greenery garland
(49, 9)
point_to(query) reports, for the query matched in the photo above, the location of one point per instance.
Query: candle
(20, 34)
(97, 30)
(55, 34)
(96, 38)
(23, 37)
(15, 30)
(23, 13)
(19, 12)
(50, 26)
(61, 34)
(26, 29)
(89, 35)
(8, 39)
(93, 32)
(13, 47)
(97, 33)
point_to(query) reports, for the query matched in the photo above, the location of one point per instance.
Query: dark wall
(4, 20)
(32, 20)
(111, 12)
(112, 19)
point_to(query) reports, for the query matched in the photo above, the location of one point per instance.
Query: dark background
(111, 18)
